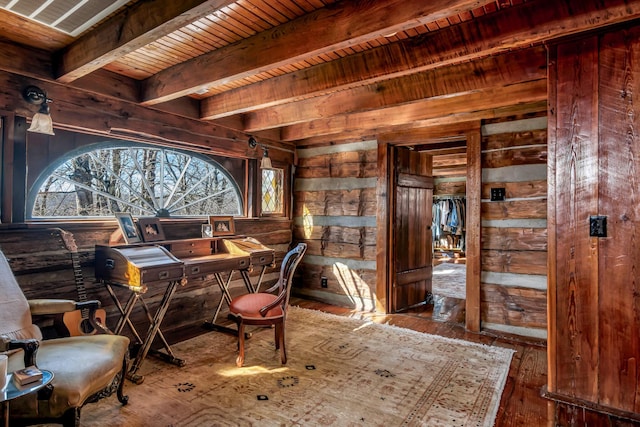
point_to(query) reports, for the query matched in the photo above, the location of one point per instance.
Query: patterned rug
(340, 372)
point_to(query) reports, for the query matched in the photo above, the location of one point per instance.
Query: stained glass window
(272, 191)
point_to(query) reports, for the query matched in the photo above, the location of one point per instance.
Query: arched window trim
(118, 144)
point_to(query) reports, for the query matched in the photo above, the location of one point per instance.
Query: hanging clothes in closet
(448, 227)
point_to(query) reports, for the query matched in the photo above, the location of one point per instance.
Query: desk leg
(151, 333)
(247, 280)
(125, 312)
(168, 356)
(225, 297)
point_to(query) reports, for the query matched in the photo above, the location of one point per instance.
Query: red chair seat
(249, 305)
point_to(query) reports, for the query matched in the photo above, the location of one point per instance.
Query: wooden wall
(514, 231)
(594, 159)
(335, 214)
(43, 268)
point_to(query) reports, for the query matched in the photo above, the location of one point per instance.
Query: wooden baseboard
(591, 406)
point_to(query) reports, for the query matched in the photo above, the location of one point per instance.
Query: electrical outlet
(323, 282)
(498, 194)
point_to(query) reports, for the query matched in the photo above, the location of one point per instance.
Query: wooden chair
(267, 308)
(85, 368)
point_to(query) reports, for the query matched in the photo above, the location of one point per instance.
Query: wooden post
(474, 188)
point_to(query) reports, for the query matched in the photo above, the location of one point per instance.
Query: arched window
(101, 179)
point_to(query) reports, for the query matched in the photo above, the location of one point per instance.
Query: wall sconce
(265, 163)
(41, 122)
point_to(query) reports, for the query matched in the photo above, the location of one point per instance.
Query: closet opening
(448, 231)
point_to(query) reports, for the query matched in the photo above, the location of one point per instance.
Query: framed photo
(128, 227)
(207, 230)
(222, 225)
(151, 229)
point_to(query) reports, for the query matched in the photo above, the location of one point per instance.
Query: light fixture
(41, 122)
(265, 163)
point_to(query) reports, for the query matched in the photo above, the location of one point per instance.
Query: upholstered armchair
(85, 368)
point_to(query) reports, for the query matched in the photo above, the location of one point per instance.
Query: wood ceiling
(314, 71)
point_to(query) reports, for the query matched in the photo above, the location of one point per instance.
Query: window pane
(135, 178)
(272, 191)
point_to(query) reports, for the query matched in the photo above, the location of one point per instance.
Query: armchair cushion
(76, 376)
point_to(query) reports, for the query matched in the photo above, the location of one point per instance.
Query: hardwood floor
(522, 404)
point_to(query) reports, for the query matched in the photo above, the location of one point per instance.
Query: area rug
(450, 280)
(340, 372)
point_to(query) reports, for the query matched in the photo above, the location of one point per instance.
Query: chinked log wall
(335, 214)
(514, 231)
(43, 268)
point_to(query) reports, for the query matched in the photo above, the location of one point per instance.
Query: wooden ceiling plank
(506, 69)
(512, 28)
(127, 31)
(445, 107)
(281, 45)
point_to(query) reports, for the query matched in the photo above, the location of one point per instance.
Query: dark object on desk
(76, 382)
(267, 308)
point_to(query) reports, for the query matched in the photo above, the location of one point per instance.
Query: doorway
(389, 226)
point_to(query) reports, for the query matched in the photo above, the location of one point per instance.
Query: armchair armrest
(40, 307)
(51, 306)
(29, 346)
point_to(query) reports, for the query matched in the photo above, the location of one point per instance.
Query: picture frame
(207, 230)
(128, 227)
(222, 225)
(150, 229)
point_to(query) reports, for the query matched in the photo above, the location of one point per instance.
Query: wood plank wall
(514, 231)
(43, 268)
(335, 214)
(594, 349)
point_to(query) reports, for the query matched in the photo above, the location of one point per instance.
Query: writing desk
(136, 268)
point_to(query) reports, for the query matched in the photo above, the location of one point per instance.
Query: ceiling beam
(133, 28)
(445, 136)
(442, 108)
(298, 40)
(501, 70)
(79, 110)
(513, 28)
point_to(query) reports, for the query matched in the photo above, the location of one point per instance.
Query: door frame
(386, 187)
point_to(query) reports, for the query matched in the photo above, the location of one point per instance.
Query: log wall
(43, 267)
(335, 214)
(514, 231)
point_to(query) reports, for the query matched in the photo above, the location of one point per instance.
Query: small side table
(11, 391)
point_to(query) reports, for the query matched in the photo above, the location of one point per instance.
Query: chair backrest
(287, 269)
(15, 316)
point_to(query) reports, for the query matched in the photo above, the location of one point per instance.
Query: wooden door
(411, 229)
